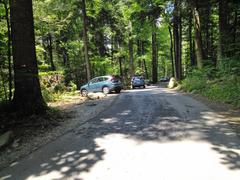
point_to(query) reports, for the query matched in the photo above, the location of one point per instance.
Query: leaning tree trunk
(85, 40)
(27, 95)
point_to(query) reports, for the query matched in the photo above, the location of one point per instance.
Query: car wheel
(133, 87)
(118, 90)
(106, 90)
(144, 87)
(84, 93)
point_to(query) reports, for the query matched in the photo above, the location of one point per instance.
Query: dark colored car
(137, 81)
(105, 84)
(164, 79)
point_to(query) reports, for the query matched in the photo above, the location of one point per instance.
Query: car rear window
(115, 79)
(137, 78)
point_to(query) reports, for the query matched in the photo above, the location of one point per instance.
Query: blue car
(137, 81)
(105, 84)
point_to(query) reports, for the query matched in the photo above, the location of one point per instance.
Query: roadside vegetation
(222, 85)
(50, 48)
(70, 42)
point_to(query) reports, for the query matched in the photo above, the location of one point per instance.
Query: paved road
(147, 134)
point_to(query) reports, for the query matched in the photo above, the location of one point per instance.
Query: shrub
(196, 81)
(224, 87)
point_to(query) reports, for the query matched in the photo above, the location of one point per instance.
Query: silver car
(137, 81)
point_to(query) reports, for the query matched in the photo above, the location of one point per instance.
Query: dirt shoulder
(230, 113)
(74, 111)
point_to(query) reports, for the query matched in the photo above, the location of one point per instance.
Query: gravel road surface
(147, 134)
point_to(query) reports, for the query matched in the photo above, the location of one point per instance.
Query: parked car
(105, 84)
(137, 81)
(164, 79)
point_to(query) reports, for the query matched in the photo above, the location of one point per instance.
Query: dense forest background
(195, 41)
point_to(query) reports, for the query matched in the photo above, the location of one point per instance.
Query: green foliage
(53, 86)
(111, 24)
(224, 88)
(48, 94)
(195, 81)
(44, 68)
(50, 73)
(229, 67)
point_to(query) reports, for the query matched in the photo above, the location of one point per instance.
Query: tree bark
(144, 61)
(154, 55)
(45, 49)
(223, 23)
(177, 40)
(130, 49)
(85, 40)
(198, 36)
(120, 66)
(191, 50)
(180, 43)
(154, 58)
(50, 51)
(130, 46)
(139, 52)
(27, 95)
(171, 50)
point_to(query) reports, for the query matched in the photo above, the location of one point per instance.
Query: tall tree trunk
(130, 46)
(145, 69)
(191, 50)
(9, 52)
(68, 74)
(50, 51)
(45, 49)
(171, 50)
(85, 40)
(27, 94)
(139, 51)
(198, 36)
(207, 50)
(223, 23)
(120, 66)
(235, 25)
(177, 40)
(112, 48)
(180, 65)
(144, 61)
(154, 55)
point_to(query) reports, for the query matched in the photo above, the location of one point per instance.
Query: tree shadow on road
(77, 152)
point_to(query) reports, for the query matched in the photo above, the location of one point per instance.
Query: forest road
(147, 134)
